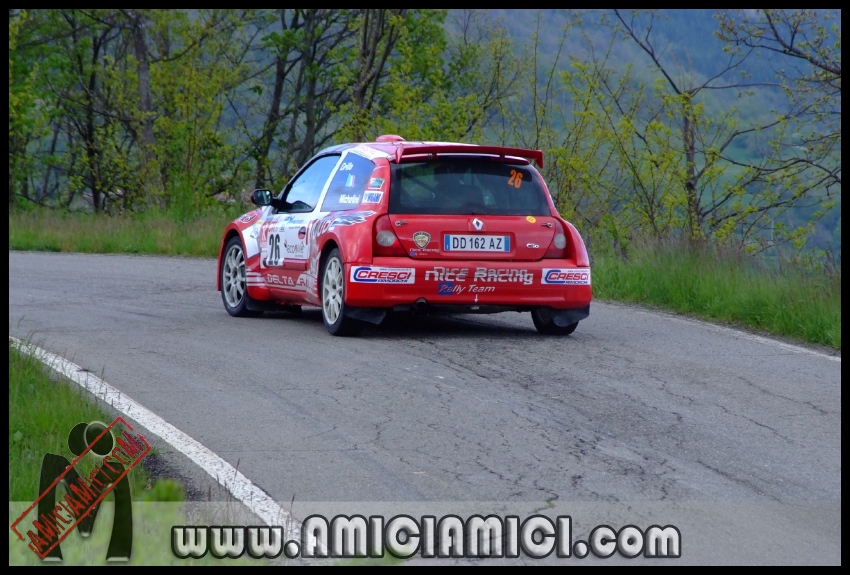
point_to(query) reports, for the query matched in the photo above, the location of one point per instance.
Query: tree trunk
(152, 191)
(90, 137)
(311, 37)
(689, 141)
(273, 117)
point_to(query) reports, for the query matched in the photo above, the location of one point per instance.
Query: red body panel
(534, 241)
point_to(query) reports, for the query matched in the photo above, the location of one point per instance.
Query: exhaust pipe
(420, 304)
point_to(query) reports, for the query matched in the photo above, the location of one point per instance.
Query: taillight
(558, 247)
(384, 241)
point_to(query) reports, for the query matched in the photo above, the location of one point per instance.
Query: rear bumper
(461, 285)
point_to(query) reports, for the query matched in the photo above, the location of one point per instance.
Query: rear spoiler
(402, 151)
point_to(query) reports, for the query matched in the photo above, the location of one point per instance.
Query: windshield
(465, 186)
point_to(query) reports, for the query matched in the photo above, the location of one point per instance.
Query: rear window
(456, 186)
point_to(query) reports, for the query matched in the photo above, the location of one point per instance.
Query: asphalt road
(638, 417)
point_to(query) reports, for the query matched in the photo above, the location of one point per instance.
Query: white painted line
(242, 488)
(743, 335)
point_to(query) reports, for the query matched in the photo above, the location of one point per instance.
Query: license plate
(473, 243)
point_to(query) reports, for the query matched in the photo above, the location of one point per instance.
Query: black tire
(234, 286)
(332, 293)
(542, 319)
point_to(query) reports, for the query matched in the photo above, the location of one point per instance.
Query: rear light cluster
(385, 242)
(558, 247)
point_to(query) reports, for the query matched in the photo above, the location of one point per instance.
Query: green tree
(806, 45)
(350, 75)
(445, 80)
(133, 101)
(307, 55)
(687, 129)
(27, 117)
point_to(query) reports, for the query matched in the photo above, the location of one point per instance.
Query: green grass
(42, 410)
(88, 233)
(800, 303)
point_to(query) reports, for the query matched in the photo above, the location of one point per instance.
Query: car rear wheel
(545, 323)
(234, 287)
(333, 298)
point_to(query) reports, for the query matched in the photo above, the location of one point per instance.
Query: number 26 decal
(515, 179)
(273, 258)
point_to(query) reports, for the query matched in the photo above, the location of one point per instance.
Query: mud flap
(565, 317)
(369, 314)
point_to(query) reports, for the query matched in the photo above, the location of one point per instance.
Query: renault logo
(478, 224)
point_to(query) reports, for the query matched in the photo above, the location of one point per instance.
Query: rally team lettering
(481, 275)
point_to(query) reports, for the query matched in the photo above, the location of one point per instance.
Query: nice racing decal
(480, 275)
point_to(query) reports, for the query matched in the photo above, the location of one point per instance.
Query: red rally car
(366, 228)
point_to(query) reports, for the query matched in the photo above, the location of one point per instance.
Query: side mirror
(261, 197)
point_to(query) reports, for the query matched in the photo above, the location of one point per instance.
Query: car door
(283, 250)
(345, 192)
